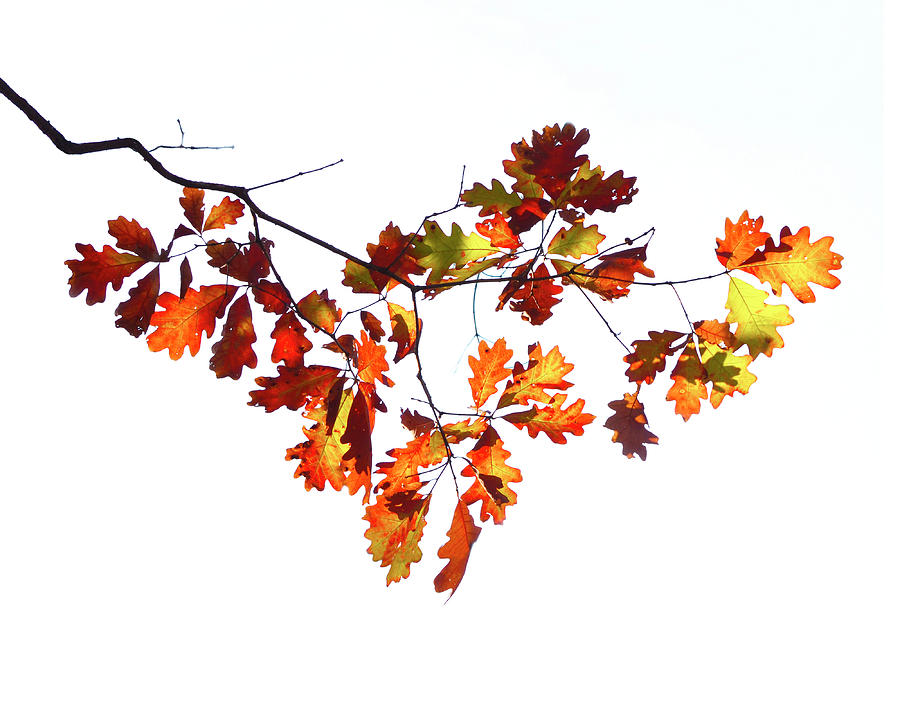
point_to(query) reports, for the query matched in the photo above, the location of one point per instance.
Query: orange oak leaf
(741, 240)
(291, 343)
(182, 322)
(795, 262)
(492, 477)
(192, 202)
(372, 325)
(535, 297)
(135, 312)
(234, 351)
(629, 426)
(497, 230)
(132, 237)
(402, 473)
(396, 524)
(99, 269)
(461, 537)
(321, 456)
(689, 382)
(404, 330)
(715, 332)
(649, 356)
(544, 372)
(518, 278)
(371, 364)
(553, 420)
(225, 213)
(488, 370)
(294, 388)
(273, 297)
(321, 312)
(248, 264)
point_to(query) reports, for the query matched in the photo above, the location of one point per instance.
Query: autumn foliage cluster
(532, 241)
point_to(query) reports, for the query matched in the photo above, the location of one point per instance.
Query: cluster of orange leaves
(340, 401)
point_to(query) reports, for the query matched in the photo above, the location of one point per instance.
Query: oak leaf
(234, 351)
(496, 199)
(492, 477)
(225, 213)
(576, 241)
(757, 322)
(273, 297)
(544, 372)
(551, 157)
(497, 230)
(461, 537)
(795, 262)
(132, 237)
(294, 388)
(371, 364)
(629, 425)
(192, 202)
(689, 382)
(402, 473)
(405, 329)
(98, 269)
(611, 277)
(291, 343)
(726, 372)
(553, 420)
(591, 191)
(439, 252)
(248, 264)
(135, 312)
(649, 356)
(320, 311)
(535, 297)
(741, 240)
(182, 322)
(488, 369)
(396, 524)
(322, 455)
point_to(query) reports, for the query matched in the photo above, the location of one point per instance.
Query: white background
(157, 559)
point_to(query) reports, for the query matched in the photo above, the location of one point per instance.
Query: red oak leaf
(99, 269)
(234, 351)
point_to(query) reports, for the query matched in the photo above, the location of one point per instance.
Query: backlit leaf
(553, 420)
(234, 351)
(688, 387)
(132, 237)
(135, 312)
(488, 370)
(544, 372)
(404, 330)
(461, 537)
(192, 202)
(182, 322)
(757, 322)
(796, 263)
(492, 477)
(99, 269)
(225, 213)
(396, 524)
(294, 388)
(629, 426)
